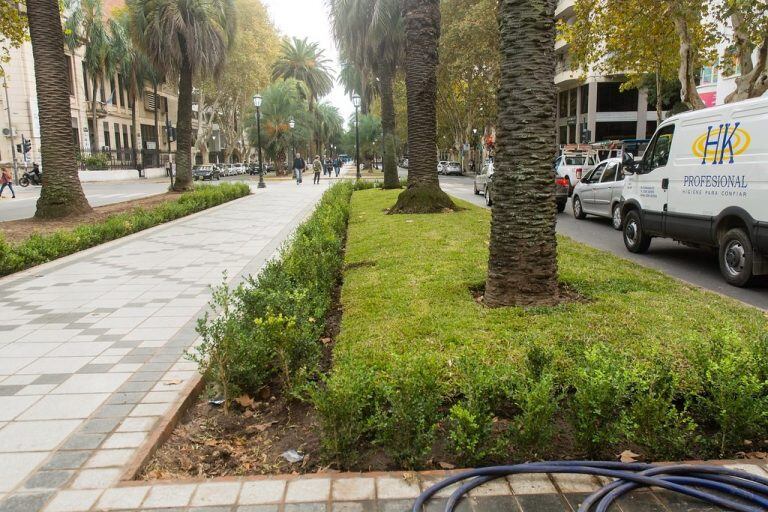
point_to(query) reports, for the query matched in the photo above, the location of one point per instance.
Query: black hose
(750, 491)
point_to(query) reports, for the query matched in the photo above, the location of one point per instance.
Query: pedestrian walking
(337, 166)
(317, 166)
(6, 180)
(328, 167)
(298, 167)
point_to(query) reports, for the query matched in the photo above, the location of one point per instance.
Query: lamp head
(292, 124)
(356, 100)
(257, 100)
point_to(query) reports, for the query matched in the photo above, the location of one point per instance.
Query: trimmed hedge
(270, 326)
(39, 249)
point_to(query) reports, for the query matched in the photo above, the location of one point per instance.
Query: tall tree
(13, 30)
(422, 34)
(184, 38)
(305, 62)
(749, 28)
(522, 268)
(61, 194)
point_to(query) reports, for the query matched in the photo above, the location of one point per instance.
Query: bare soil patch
(16, 231)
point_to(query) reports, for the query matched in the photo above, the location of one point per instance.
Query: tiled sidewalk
(91, 347)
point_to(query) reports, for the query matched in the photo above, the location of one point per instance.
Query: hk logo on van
(721, 143)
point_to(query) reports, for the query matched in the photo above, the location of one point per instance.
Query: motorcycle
(31, 177)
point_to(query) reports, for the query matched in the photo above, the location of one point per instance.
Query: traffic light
(173, 134)
(18, 148)
(27, 146)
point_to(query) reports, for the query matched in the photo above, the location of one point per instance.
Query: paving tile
(51, 378)
(13, 406)
(217, 493)
(144, 424)
(569, 483)
(678, 503)
(55, 365)
(36, 389)
(262, 492)
(84, 442)
(303, 490)
(169, 496)
(32, 436)
(124, 440)
(67, 460)
(92, 383)
(95, 478)
(354, 506)
(498, 487)
(73, 501)
(306, 507)
(258, 508)
(639, 501)
(32, 502)
(48, 479)
(109, 458)
(100, 425)
(542, 503)
(395, 505)
(122, 498)
(114, 411)
(531, 483)
(353, 489)
(160, 397)
(495, 504)
(575, 499)
(10, 390)
(390, 488)
(125, 398)
(438, 505)
(52, 407)
(150, 410)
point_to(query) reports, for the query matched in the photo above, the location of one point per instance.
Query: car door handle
(665, 184)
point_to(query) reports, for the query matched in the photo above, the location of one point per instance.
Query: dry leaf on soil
(628, 456)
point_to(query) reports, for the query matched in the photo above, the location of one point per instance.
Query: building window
(126, 142)
(615, 130)
(75, 134)
(117, 137)
(584, 91)
(563, 134)
(70, 80)
(121, 89)
(611, 99)
(85, 84)
(571, 133)
(572, 98)
(562, 104)
(709, 75)
(106, 135)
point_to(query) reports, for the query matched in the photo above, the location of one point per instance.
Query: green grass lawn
(426, 373)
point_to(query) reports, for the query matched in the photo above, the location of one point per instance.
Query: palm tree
(371, 34)
(422, 33)
(358, 82)
(522, 268)
(86, 25)
(329, 125)
(281, 103)
(184, 38)
(306, 63)
(61, 195)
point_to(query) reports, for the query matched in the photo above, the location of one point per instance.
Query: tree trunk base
(423, 199)
(58, 210)
(526, 295)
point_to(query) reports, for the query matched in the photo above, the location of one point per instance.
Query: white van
(703, 181)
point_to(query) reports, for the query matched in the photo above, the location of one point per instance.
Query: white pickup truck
(575, 163)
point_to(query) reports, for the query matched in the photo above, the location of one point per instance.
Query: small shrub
(469, 432)
(96, 161)
(537, 400)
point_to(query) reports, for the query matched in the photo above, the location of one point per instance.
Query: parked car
(599, 192)
(453, 169)
(573, 164)
(441, 166)
(206, 172)
(484, 182)
(404, 163)
(703, 181)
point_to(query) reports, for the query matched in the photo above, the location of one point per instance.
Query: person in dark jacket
(337, 166)
(298, 167)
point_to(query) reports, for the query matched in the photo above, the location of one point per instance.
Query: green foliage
(643, 362)
(39, 249)
(13, 30)
(95, 161)
(271, 324)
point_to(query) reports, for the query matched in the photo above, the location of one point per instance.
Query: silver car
(482, 183)
(599, 192)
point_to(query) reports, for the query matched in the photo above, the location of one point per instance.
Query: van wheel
(488, 198)
(477, 192)
(635, 239)
(578, 211)
(616, 217)
(735, 257)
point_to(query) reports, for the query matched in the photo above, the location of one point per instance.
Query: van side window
(658, 152)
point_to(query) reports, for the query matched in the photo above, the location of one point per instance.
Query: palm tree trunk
(422, 33)
(94, 116)
(134, 128)
(61, 195)
(157, 125)
(184, 122)
(522, 268)
(388, 147)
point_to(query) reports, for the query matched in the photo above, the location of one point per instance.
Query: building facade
(592, 108)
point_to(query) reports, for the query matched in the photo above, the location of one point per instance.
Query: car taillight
(578, 173)
(563, 182)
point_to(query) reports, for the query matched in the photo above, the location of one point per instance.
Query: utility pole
(10, 130)
(356, 101)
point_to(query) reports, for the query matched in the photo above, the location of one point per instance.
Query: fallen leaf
(172, 382)
(446, 465)
(628, 456)
(326, 341)
(245, 401)
(264, 426)
(248, 413)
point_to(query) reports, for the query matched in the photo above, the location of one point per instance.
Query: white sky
(309, 18)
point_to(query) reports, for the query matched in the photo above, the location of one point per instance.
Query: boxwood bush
(39, 249)
(268, 328)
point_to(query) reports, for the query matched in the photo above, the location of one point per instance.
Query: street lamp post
(257, 103)
(356, 101)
